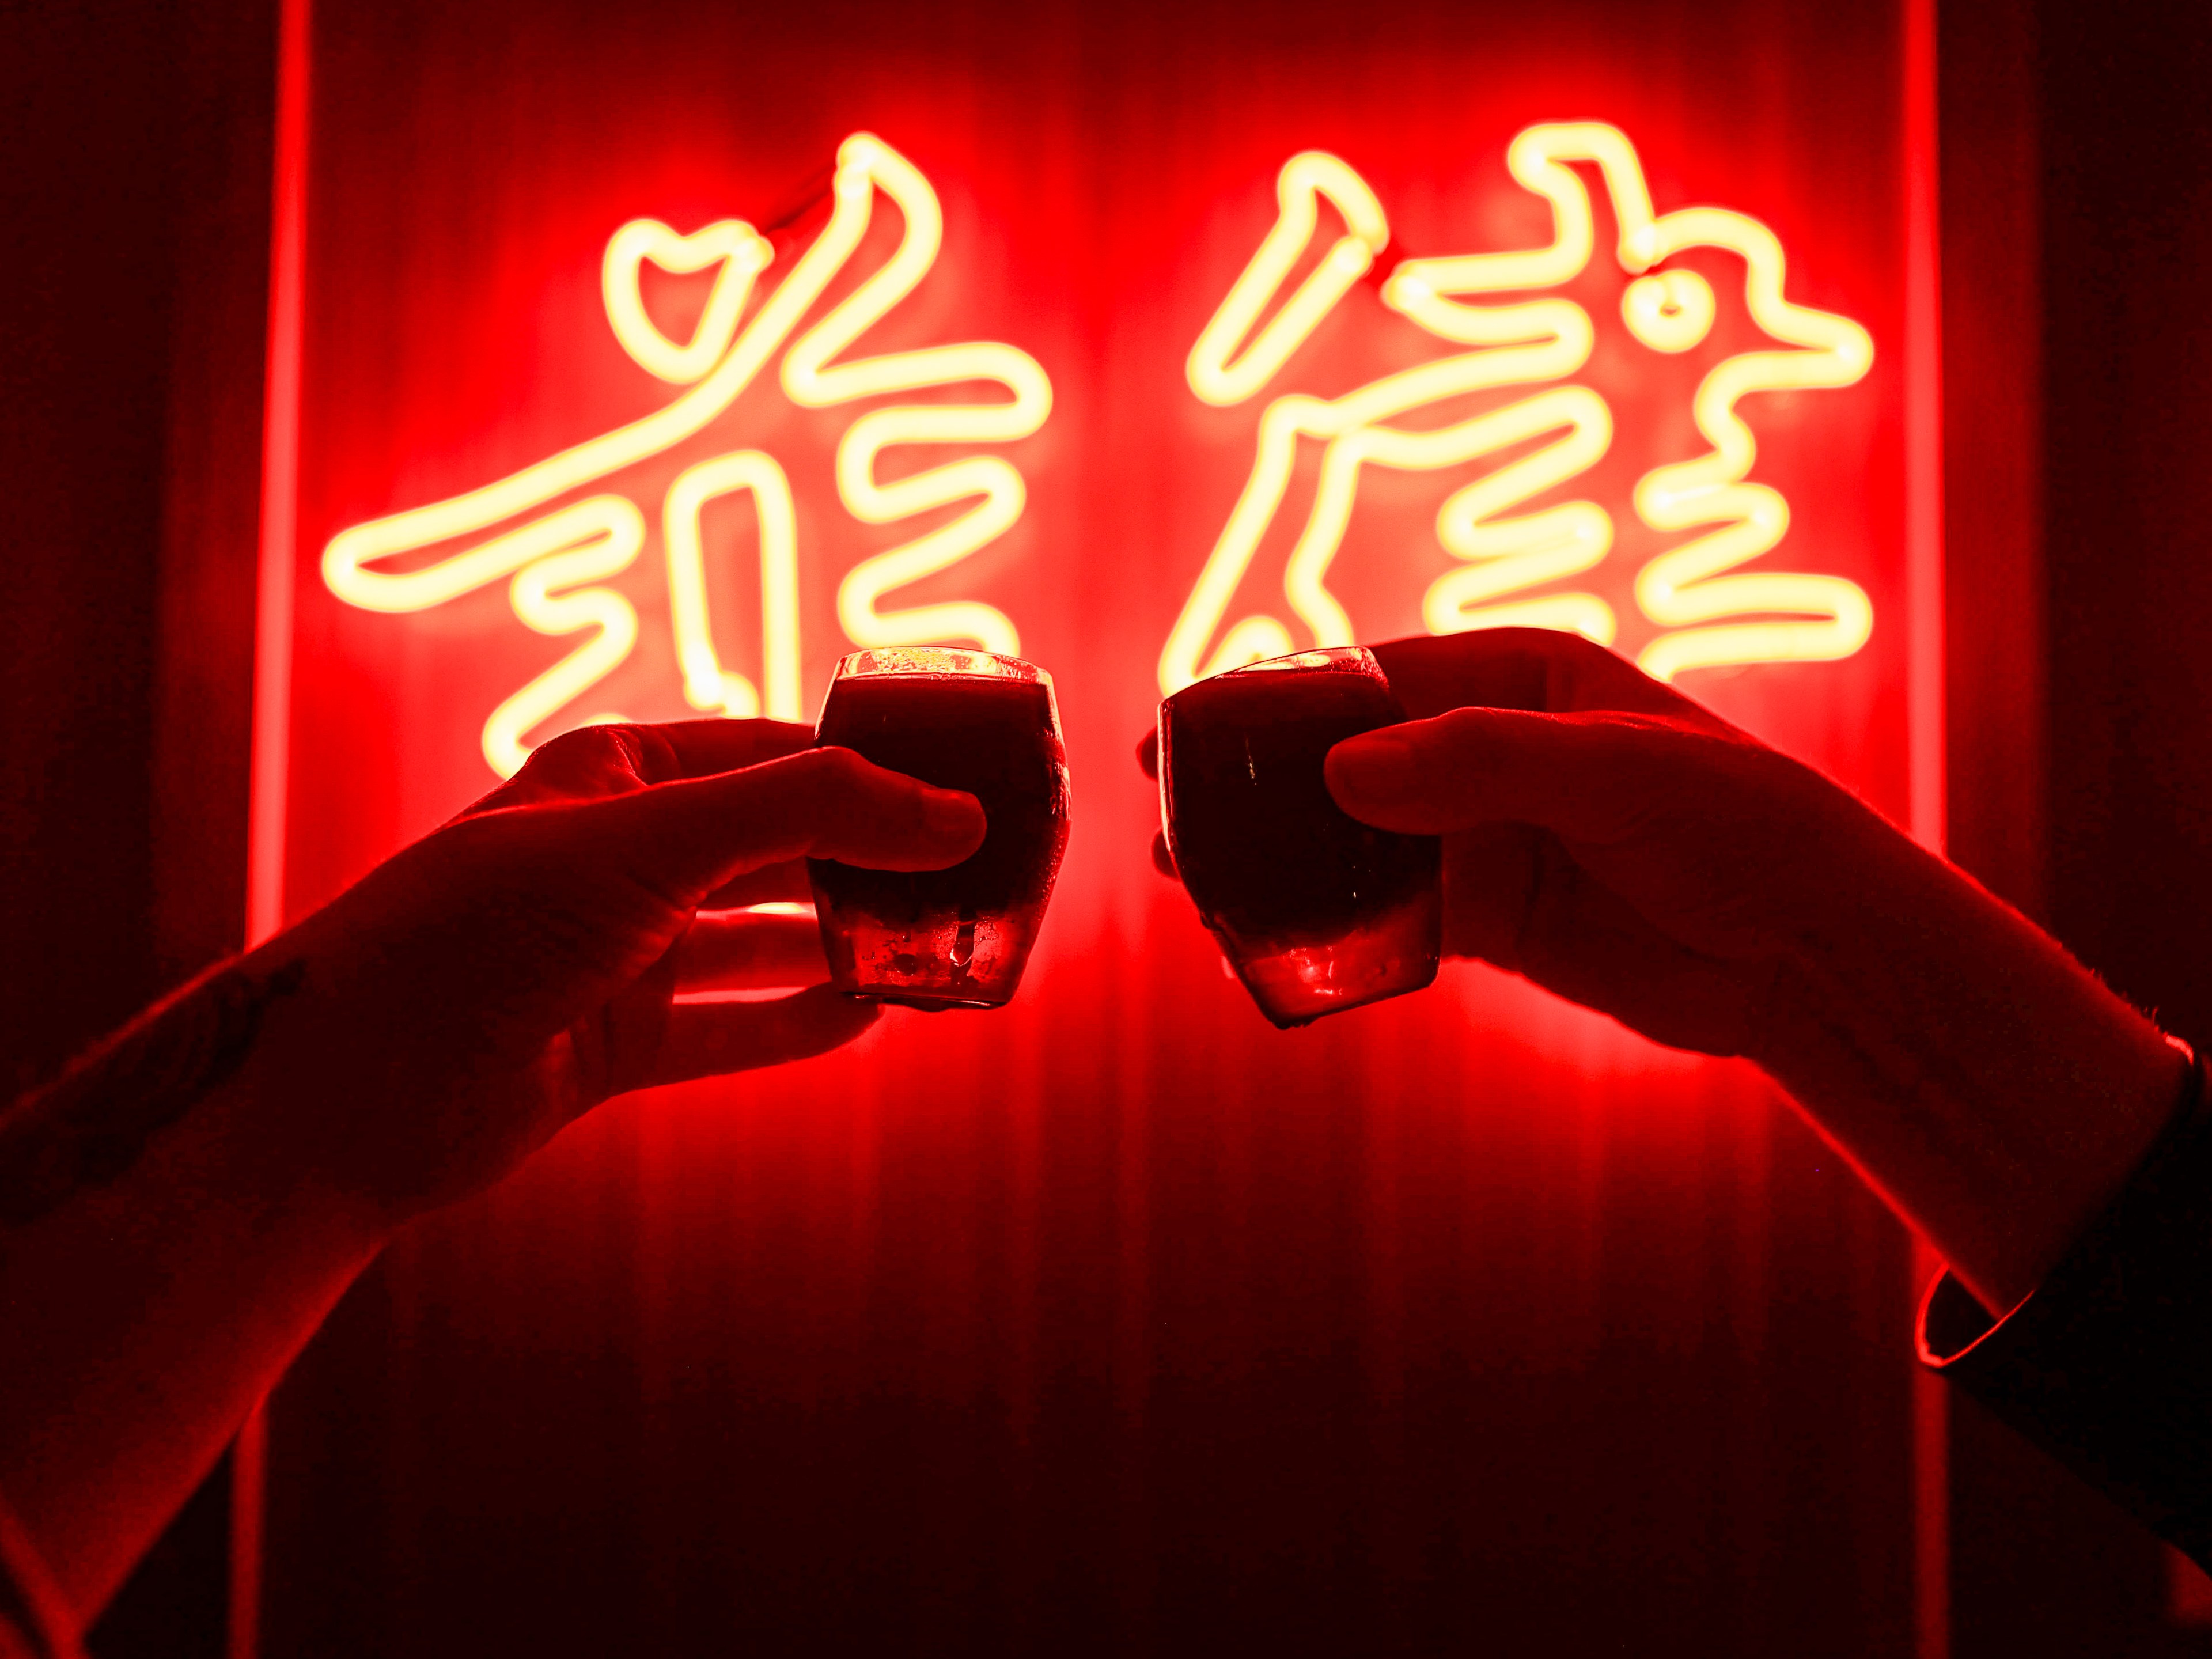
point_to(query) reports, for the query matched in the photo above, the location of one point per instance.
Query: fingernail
(1375, 766)
(950, 813)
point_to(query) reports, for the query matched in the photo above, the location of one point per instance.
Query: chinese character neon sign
(1713, 612)
(1710, 611)
(550, 561)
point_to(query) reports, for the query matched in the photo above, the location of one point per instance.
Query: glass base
(1296, 984)
(940, 964)
(927, 1003)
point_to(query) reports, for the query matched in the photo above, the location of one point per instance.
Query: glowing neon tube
(1689, 590)
(549, 558)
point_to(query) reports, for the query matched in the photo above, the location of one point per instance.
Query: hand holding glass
(1316, 911)
(960, 720)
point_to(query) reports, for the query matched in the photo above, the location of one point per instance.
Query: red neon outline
(1925, 731)
(272, 684)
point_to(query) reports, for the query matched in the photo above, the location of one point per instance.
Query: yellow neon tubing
(813, 378)
(707, 683)
(1534, 341)
(1424, 289)
(347, 559)
(1506, 556)
(591, 540)
(1213, 375)
(743, 255)
(1672, 310)
(722, 370)
(1669, 311)
(1686, 585)
(1560, 542)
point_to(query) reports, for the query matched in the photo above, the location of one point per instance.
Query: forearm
(166, 1246)
(1714, 894)
(1993, 1090)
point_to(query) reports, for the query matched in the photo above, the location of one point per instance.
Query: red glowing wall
(1117, 1319)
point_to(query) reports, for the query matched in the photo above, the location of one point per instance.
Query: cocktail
(1316, 911)
(960, 720)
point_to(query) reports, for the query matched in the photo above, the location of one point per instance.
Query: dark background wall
(134, 188)
(2079, 404)
(2102, 828)
(2128, 456)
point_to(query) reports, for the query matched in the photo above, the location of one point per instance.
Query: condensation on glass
(960, 720)
(1315, 912)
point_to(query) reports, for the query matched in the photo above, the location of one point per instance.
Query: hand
(1603, 834)
(186, 1204)
(1613, 841)
(523, 963)
(1607, 836)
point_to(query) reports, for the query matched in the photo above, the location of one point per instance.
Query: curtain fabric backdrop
(1116, 1321)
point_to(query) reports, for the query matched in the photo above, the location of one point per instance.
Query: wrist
(297, 1103)
(1993, 1091)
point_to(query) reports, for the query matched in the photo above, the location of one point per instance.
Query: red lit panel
(650, 359)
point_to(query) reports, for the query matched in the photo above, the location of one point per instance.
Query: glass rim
(952, 662)
(1321, 657)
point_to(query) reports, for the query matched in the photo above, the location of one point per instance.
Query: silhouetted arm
(179, 1210)
(1618, 843)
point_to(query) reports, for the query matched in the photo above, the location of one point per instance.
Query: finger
(690, 837)
(708, 1039)
(772, 883)
(1148, 754)
(1163, 860)
(1532, 668)
(742, 952)
(699, 749)
(1588, 778)
(613, 759)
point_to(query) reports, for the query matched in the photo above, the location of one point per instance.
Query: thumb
(692, 836)
(1587, 777)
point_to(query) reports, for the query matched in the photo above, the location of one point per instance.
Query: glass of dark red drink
(1316, 911)
(961, 720)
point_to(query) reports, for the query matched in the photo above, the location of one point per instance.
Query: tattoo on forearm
(96, 1120)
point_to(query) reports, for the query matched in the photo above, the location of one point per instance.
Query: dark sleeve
(2108, 1365)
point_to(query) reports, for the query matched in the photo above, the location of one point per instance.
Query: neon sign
(551, 562)
(1711, 611)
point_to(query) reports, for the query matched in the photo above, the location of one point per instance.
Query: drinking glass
(960, 720)
(1316, 911)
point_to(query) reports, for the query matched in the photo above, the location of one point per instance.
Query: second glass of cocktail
(960, 720)
(1316, 911)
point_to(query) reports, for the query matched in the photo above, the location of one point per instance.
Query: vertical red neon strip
(280, 480)
(1924, 738)
(1924, 433)
(272, 680)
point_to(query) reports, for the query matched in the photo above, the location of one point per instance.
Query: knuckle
(837, 776)
(831, 763)
(1462, 728)
(585, 746)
